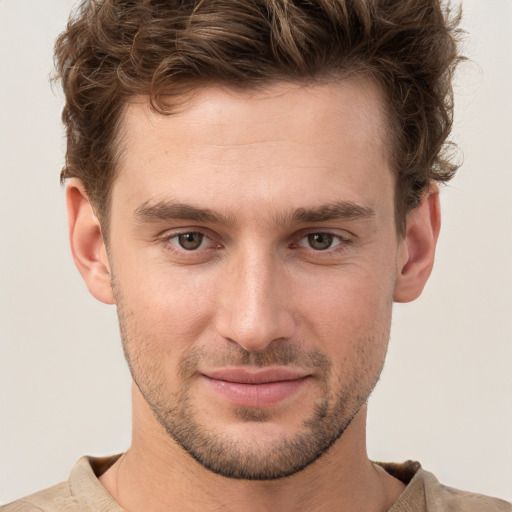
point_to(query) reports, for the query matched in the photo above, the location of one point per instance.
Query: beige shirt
(83, 492)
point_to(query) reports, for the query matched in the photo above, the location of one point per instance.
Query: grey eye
(320, 241)
(190, 241)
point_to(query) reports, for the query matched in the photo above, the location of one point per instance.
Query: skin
(297, 268)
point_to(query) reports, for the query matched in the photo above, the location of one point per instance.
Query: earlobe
(87, 244)
(418, 248)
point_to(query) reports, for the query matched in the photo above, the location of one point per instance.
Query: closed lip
(255, 376)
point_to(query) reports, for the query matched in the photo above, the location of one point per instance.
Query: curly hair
(112, 50)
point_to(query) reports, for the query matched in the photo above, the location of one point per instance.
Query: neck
(157, 474)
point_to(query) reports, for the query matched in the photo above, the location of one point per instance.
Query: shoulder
(82, 491)
(424, 493)
(447, 499)
(54, 499)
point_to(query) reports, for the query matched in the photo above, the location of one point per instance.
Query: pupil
(320, 241)
(190, 241)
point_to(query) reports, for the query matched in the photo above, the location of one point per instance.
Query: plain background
(445, 395)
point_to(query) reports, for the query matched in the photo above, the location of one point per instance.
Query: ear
(87, 245)
(418, 247)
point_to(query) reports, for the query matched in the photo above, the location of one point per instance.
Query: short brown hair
(115, 49)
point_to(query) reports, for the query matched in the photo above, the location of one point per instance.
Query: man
(253, 185)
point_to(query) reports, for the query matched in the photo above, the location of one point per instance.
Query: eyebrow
(333, 211)
(169, 210)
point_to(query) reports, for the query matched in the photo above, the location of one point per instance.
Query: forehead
(263, 111)
(263, 144)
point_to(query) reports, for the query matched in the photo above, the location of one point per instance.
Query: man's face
(254, 254)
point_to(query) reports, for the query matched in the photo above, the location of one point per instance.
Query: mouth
(256, 388)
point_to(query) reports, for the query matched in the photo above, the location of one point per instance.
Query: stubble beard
(245, 458)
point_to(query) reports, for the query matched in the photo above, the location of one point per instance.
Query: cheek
(167, 310)
(347, 309)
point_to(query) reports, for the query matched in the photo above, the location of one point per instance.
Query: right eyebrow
(165, 210)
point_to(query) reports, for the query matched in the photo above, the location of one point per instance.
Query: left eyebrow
(333, 211)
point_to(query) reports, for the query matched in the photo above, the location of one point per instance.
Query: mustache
(277, 353)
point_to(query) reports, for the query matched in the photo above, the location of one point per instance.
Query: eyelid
(171, 232)
(345, 241)
(169, 236)
(339, 239)
(338, 233)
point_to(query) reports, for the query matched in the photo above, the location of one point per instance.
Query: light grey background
(445, 395)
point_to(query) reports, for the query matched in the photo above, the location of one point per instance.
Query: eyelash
(169, 240)
(337, 240)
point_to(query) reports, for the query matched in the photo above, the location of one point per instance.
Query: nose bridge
(254, 310)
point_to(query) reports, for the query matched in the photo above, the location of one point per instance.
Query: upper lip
(255, 376)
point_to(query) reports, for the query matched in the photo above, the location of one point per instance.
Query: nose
(255, 307)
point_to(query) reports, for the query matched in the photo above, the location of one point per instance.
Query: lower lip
(256, 395)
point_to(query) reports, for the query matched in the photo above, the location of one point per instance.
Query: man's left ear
(418, 247)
